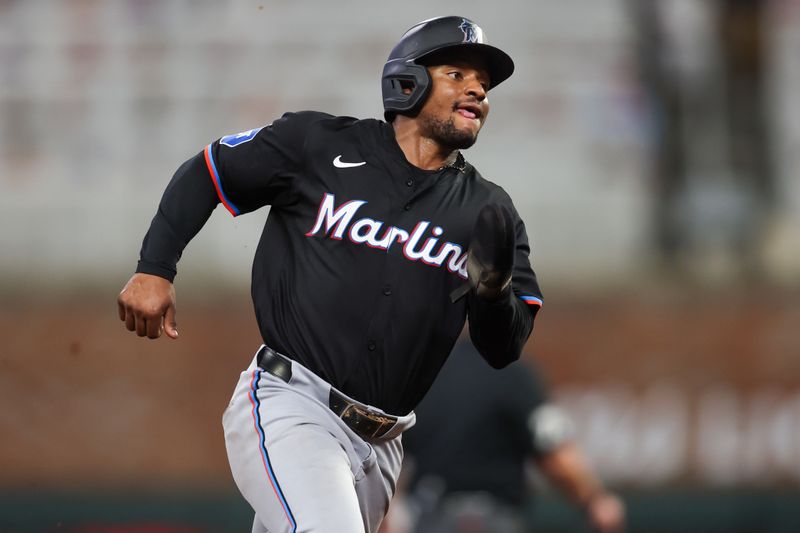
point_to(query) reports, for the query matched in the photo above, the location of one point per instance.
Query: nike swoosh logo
(338, 163)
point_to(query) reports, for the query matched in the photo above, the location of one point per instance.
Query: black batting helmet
(423, 39)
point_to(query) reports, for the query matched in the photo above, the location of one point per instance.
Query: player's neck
(421, 151)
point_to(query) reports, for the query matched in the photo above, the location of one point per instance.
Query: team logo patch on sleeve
(238, 138)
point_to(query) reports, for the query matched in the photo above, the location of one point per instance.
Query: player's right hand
(147, 306)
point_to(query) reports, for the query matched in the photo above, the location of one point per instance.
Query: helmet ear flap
(397, 77)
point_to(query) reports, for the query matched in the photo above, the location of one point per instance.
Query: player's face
(457, 106)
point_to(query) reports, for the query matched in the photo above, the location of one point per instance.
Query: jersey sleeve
(523, 280)
(258, 167)
(500, 328)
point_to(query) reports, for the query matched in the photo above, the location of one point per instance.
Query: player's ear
(407, 86)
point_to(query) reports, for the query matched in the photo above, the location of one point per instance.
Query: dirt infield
(84, 403)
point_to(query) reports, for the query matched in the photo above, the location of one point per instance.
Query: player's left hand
(606, 513)
(491, 252)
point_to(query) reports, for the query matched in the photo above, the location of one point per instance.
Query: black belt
(363, 421)
(276, 364)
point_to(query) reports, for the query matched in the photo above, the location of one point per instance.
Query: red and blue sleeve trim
(531, 300)
(212, 169)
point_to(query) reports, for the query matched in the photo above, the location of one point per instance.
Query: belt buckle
(354, 412)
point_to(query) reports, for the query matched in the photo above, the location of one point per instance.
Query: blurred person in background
(468, 457)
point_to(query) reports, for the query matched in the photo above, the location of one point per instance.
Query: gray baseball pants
(298, 464)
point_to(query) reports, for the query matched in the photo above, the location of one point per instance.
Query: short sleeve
(258, 167)
(521, 395)
(529, 405)
(524, 391)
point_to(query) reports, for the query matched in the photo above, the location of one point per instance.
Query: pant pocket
(367, 459)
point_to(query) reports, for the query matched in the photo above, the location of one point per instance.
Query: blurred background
(652, 148)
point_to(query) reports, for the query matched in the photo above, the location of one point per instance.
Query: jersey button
(387, 290)
(410, 182)
(371, 346)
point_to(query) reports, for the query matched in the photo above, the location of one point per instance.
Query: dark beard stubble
(444, 132)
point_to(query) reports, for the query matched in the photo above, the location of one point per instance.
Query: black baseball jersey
(359, 255)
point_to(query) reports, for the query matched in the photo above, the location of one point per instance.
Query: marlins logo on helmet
(472, 33)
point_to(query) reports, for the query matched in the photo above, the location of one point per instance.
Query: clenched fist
(147, 306)
(491, 252)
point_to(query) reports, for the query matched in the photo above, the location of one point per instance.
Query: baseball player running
(380, 241)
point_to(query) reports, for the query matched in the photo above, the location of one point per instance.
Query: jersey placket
(379, 324)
